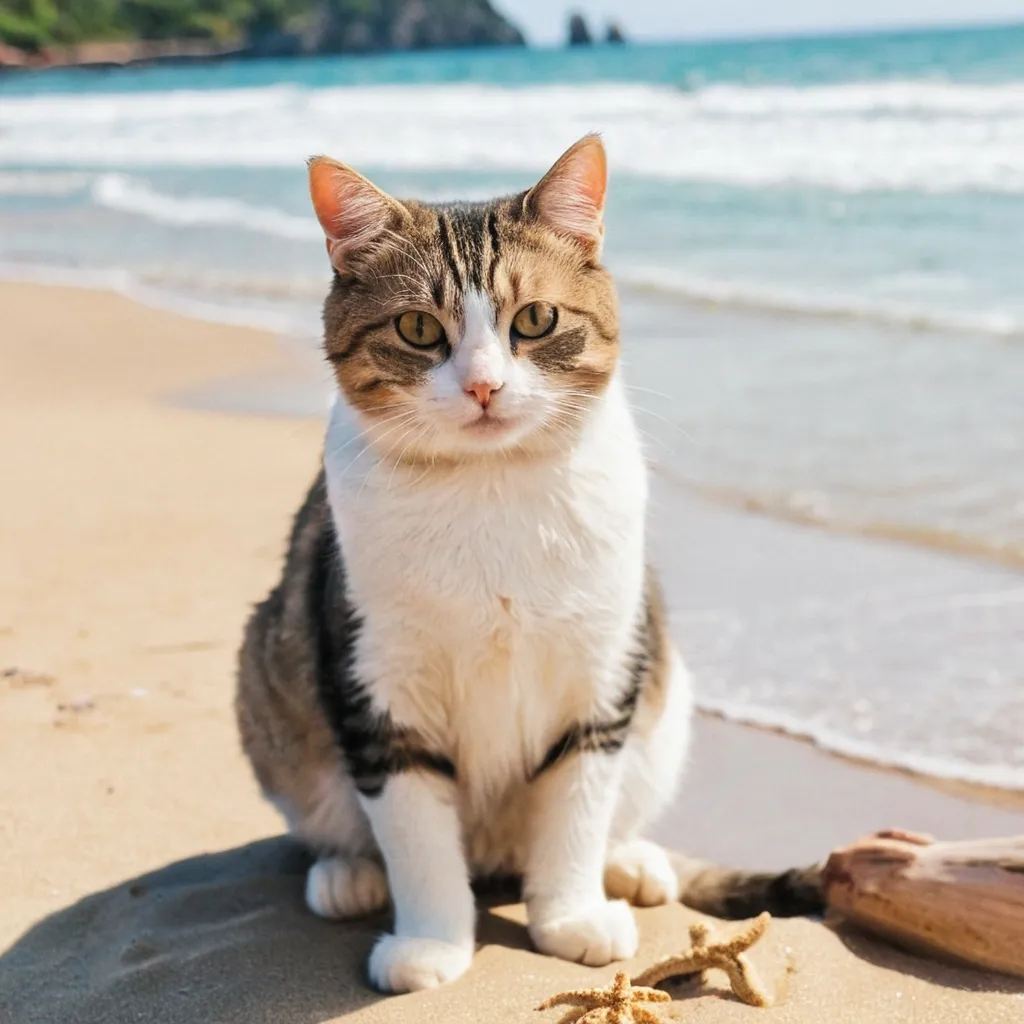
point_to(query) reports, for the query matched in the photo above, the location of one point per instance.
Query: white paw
(409, 965)
(640, 872)
(346, 887)
(595, 936)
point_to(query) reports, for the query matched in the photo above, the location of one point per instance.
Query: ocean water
(820, 245)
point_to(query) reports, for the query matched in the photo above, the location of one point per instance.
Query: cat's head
(463, 330)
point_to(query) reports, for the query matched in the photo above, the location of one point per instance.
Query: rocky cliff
(408, 25)
(77, 32)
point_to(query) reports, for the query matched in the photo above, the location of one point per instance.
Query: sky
(544, 21)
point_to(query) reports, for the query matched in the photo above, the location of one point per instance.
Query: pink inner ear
(588, 167)
(350, 209)
(570, 197)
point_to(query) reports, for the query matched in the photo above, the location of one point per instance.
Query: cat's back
(280, 717)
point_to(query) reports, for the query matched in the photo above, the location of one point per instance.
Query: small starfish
(619, 1003)
(727, 956)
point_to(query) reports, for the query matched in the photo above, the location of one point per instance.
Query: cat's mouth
(489, 424)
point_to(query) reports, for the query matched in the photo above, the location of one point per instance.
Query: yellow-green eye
(535, 320)
(420, 329)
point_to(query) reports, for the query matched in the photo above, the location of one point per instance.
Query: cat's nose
(482, 392)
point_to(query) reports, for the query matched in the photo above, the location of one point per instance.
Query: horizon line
(782, 34)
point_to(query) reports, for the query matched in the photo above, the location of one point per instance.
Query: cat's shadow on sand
(225, 937)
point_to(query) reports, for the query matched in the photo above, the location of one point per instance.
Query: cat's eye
(535, 320)
(420, 329)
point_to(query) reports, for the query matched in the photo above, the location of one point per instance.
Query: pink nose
(482, 392)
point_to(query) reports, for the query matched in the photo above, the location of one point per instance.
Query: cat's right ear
(352, 211)
(570, 197)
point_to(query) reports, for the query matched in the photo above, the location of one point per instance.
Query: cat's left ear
(352, 211)
(569, 199)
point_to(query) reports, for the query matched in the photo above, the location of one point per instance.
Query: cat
(465, 669)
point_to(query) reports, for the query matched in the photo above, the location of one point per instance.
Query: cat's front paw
(594, 936)
(409, 965)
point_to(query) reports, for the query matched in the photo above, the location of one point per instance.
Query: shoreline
(942, 542)
(253, 395)
(976, 792)
(281, 388)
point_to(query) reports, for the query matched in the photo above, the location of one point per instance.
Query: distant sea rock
(615, 33)
(579, 31)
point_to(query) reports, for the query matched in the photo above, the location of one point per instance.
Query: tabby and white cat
(465, 669)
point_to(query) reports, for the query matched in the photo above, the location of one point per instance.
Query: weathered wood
(959, 899)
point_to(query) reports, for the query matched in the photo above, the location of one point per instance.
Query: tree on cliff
(320, 25)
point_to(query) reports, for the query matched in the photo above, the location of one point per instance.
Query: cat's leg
(347, 879)
(568, 912)
(340, 886)
(416, 825)
(638, 870)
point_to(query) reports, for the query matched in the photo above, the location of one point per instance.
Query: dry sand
(133, 538)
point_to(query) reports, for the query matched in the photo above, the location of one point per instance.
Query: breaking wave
(910, 135)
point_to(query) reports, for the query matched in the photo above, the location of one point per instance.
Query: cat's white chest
(491, 596)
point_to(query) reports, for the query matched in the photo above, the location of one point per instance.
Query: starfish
(619, 1003)
(727, 956)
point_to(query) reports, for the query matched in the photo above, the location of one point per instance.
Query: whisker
(649, 391)
(575, 411)
(668, 423)
(371, 442)
(398, 461)
(636, 407)
(334, 452)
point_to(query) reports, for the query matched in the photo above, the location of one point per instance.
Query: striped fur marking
(373, 747)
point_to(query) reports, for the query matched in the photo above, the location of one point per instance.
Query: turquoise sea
(820, 244)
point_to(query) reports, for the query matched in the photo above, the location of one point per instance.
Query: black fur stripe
(469, 225)
(646, 651)
(444, 235)
(586, 738)
(492, 266)
(609, 736)
(602, 332)
(372, 746)
(357, 338)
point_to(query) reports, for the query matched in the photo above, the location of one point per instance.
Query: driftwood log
(963, 900)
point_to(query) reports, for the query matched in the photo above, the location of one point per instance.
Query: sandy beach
(143, 877)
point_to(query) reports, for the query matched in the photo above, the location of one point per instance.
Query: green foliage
(338, 24)
(35, 24)
(28, 23)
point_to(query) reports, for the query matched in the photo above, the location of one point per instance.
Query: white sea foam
(780, 299)
(1000, 776)
(915, 135)
(42, 183)
(132, 195)
(881, 97)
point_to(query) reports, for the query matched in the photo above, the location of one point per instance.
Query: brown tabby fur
(427, 258)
